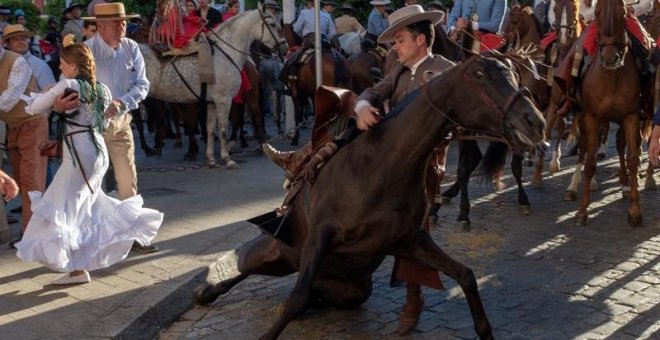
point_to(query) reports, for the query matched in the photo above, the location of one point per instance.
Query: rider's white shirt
(588, 14)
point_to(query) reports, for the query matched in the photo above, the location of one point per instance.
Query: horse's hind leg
(428, 253)
(260, 256)
(523, 201)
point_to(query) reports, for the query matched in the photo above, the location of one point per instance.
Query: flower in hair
(69, 39)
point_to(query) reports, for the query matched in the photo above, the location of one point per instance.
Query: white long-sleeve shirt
(19, 78)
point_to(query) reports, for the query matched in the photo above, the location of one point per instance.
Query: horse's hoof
(554, 168)
(203, 295)
(570, 195)
(463, 226)
(525, 210)
(595, 186)
(178, 144)
(581, 219)
(231, 165)
(212, 164)
(635, 221)
(445, 200)
(537, 182)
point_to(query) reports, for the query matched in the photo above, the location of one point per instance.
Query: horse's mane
(535, 20)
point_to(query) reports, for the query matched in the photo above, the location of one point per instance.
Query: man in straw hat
(18, 40)
(75, 24)
(411, 29)
(120, 66)
(347, 22)
(25, 133)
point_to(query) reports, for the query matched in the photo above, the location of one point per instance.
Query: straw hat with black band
(407, 16)
(15, 30)
(110, 12)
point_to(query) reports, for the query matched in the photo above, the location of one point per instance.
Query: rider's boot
(290, 161)
(412, 309)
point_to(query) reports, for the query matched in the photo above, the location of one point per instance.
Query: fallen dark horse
(368, 201)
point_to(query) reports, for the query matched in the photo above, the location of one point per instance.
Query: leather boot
(412, 309)
(290, 161)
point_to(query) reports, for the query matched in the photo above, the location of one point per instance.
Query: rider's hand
(367, 117)
(62, 103)
(462, 23)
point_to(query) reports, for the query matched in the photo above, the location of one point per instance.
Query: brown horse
(522, 29)
(251, 101)
(368, 65)
(567, 28)
(336, 72)
(610, 91)
(341, 227)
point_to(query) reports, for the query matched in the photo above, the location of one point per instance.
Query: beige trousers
(121, 148)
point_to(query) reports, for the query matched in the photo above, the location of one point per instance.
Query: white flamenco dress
(75, 225)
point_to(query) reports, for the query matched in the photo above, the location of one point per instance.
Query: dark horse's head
(488, 98)
(612, 38)
(566, 21)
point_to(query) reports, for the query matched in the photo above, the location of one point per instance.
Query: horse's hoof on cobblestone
(202, 295)
(635, 221)
(232, 165)
(463, 226)
(445, 200)
(525, 210)
(212, 164)
(581, 219)
(554, 168)
(570, 196)
(537, 182)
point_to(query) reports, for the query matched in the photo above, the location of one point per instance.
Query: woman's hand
(63, 104)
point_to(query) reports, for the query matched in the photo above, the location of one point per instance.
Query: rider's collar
(413, 68)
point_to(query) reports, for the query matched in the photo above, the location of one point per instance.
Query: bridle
(486, 98)
(620, 46)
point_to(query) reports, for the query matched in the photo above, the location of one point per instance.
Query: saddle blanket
(633, 27)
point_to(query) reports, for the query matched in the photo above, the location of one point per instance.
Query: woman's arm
(41, 103)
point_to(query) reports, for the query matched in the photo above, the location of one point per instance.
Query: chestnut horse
(567, 28)
(336, 249)
(336, 73)
(610, 92)
(522, 29)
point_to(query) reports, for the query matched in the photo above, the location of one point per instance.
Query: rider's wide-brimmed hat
(271, 3)
(380, 2)
(15, 30)
(348, 6)
(109, 12)
(406, 16)
(72, 6)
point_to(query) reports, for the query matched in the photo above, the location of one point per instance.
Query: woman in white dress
(76, 227)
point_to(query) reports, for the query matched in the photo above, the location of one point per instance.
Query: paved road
(540, 276)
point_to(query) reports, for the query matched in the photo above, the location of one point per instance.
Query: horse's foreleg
(633, 139)
(211, 123)
(590, 132)
(260, 256)
(222, 114)
(523, 201)
(313, 252)
(472, 159)
(623, 168)
(428, 253)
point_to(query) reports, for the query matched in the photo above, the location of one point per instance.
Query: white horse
(232, 40)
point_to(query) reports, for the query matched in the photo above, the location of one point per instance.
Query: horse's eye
(479, 74)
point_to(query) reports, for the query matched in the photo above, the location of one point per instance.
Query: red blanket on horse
(490, 41)
(633, 26)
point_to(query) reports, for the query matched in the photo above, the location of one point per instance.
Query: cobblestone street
(540, 276)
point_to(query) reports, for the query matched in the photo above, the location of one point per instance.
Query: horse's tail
(493, 162)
